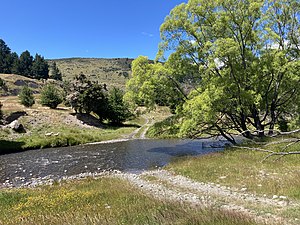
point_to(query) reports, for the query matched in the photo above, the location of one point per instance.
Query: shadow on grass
(88, 119)
(93, 121)
(7, 147)
(14, 116)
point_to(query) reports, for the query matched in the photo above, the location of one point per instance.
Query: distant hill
(113, 72)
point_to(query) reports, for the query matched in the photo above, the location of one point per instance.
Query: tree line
(33, 67)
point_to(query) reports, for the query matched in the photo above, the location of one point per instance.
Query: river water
(19, 169)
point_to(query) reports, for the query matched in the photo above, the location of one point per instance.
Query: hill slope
(14, 83)
(113, 72)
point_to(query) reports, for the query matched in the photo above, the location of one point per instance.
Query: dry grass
(101, 201)
(113, 72)
(14, 83)
(40, 121)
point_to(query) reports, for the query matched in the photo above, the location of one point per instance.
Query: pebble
(275, 196)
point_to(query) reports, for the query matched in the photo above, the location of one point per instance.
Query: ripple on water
(134, 156)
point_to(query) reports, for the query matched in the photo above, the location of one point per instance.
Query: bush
(26, 97)
(118, 109)
(51, 96)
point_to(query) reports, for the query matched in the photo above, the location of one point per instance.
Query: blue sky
(89, 28)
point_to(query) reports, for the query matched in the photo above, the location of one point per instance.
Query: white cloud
(147, 34)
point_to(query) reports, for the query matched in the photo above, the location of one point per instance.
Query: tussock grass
(102, 201)
(113, 72)
(244, 169)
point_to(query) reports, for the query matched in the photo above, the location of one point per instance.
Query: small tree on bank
(50, 96)
(54, 72)
(118, 109)
(85, 96)
(26, 97)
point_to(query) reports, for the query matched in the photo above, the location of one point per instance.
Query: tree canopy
(239, 60)
(51, 96)
(26, 96)
(25, 65)
(85, 96)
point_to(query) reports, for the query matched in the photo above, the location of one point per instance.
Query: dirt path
(140, 133)
(162, 184)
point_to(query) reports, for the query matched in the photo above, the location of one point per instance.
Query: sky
(84, 28)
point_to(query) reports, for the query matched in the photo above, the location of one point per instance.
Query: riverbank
(232, 186)
(46, 128)
(244, 171)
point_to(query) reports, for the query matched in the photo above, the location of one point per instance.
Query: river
(24, 168)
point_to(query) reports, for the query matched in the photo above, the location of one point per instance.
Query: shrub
(51, 96)
(26, 97)
(118, 109)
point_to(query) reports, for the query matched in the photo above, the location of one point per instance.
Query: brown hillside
(113, 72)
(14, 83)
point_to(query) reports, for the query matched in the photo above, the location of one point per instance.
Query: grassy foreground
(101, 201)
(244, 169)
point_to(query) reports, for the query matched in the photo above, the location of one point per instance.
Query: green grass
(102, 201)
(245, 169)
(67, 136)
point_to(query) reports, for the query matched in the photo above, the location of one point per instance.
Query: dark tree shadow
(8, 147)
(88, 119)
(14, 116)
(95, 122)
(61, 109)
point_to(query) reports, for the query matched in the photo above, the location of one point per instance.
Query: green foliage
(5, 61)
(51, 96)
(25, 64)
(95, 99)
(86, 96)
(234, 63)
(118, 108)
(152, 84)
(55, 73)
(3, 86)
(39, 69)
(168, 128)
(26, 97)
(75, 90)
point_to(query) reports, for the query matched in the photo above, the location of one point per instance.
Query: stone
(17, 126)
(275, 196)
(282, 197)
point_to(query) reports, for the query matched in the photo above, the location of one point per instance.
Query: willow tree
(152, 84)
(247, 57)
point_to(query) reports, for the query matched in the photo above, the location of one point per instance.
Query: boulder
(16, 126)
